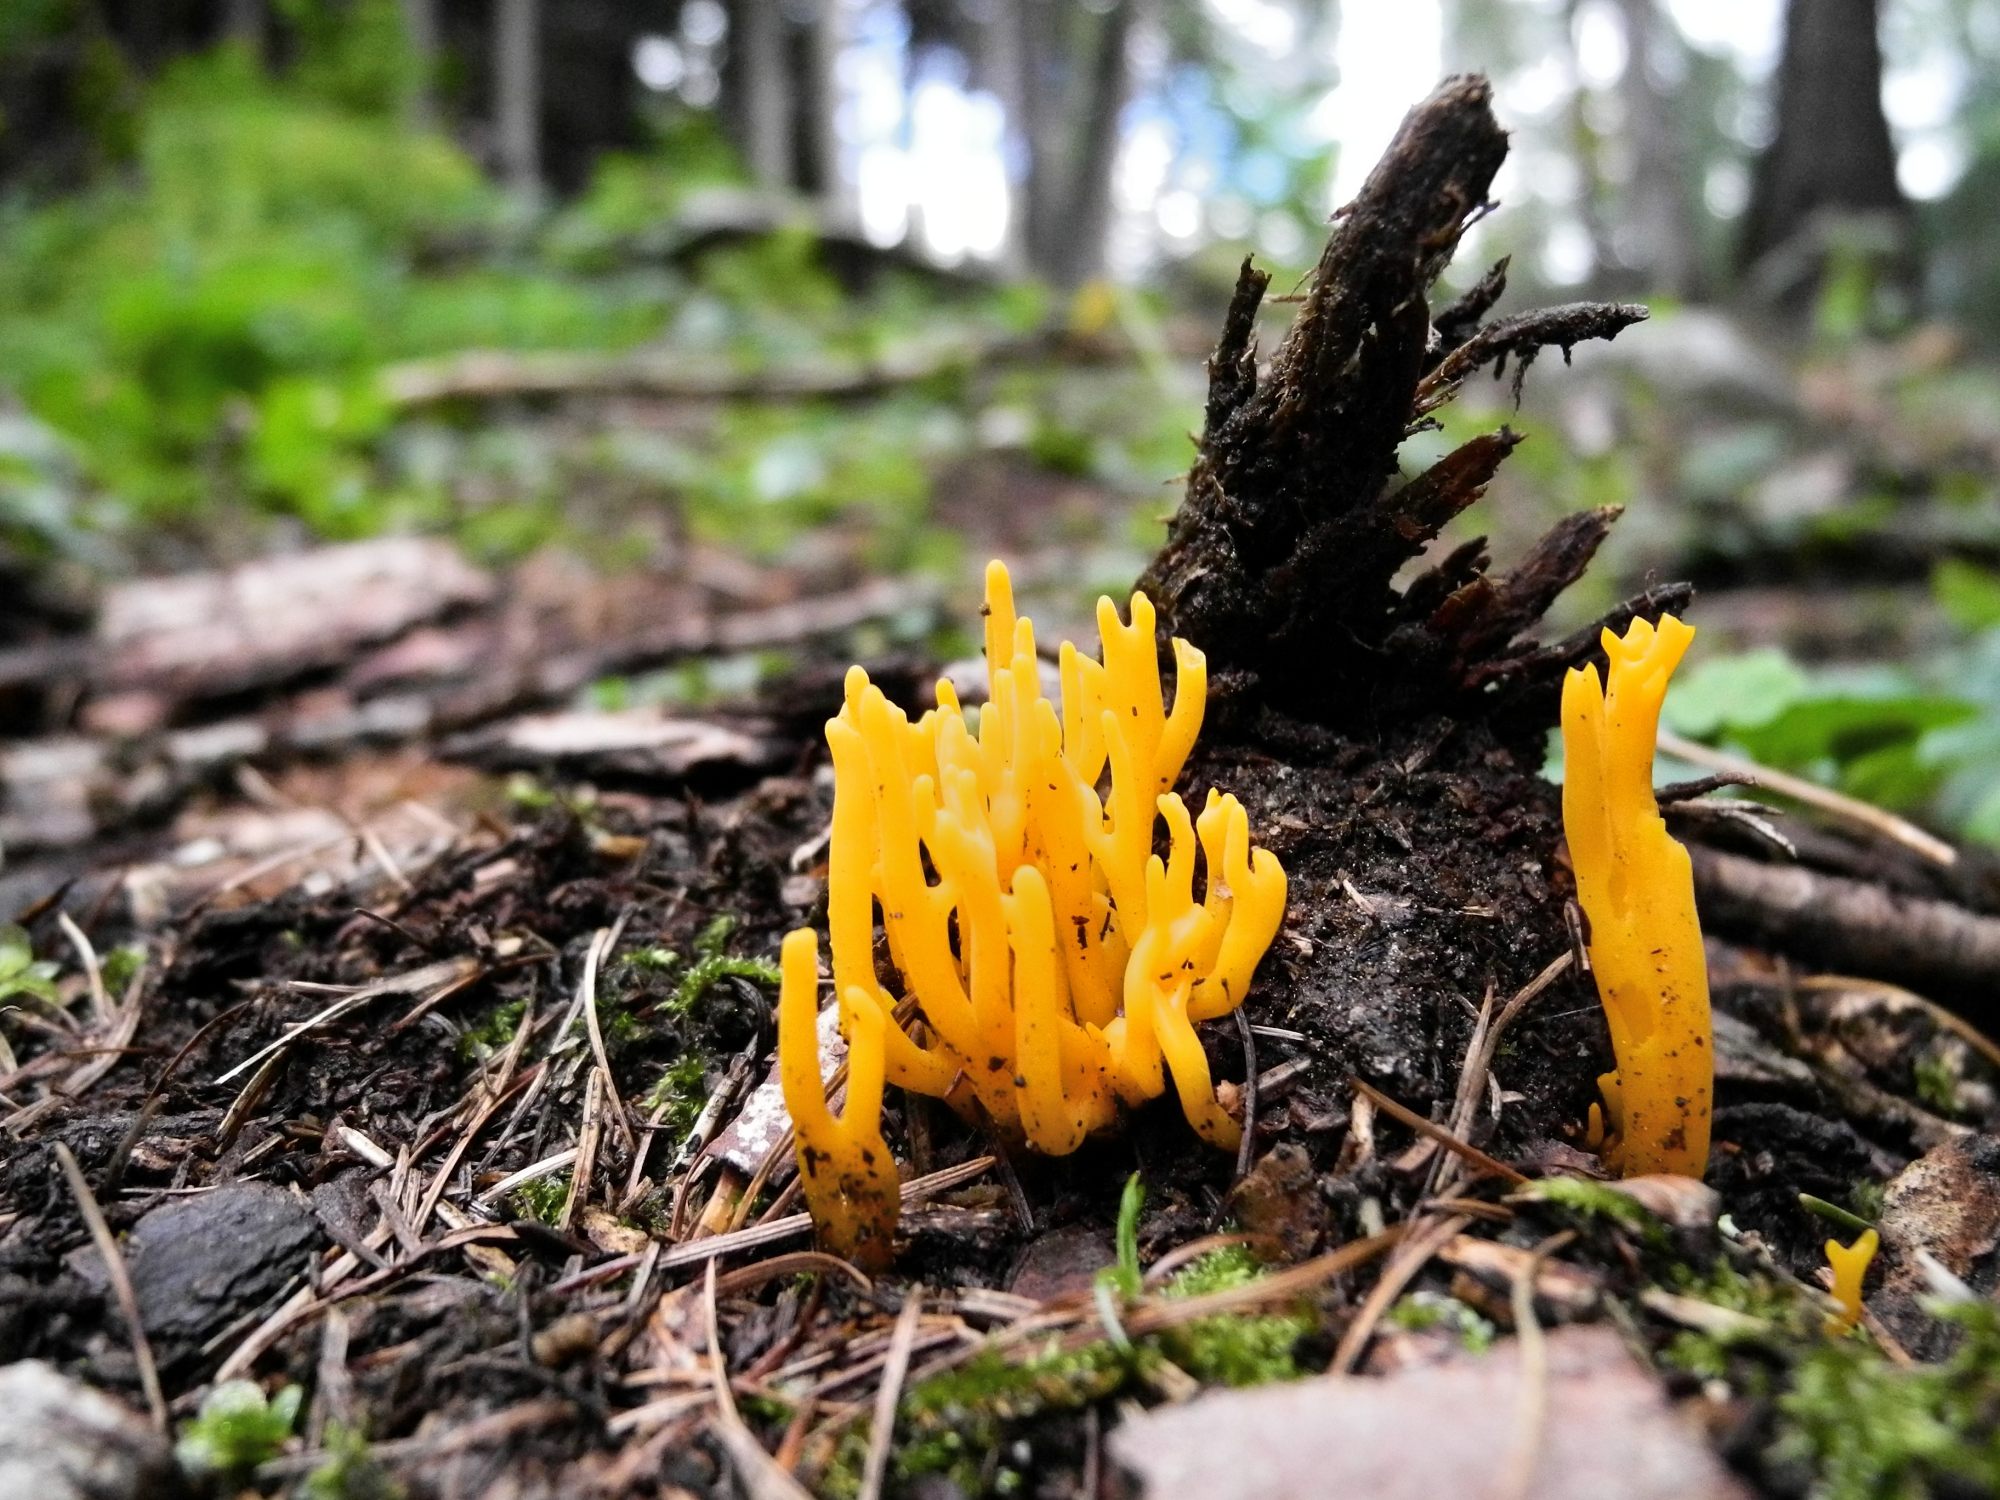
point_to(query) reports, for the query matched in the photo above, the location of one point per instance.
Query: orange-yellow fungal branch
(1057, 963)
(1636, 887)
(1850, 1268)
(848, 1174)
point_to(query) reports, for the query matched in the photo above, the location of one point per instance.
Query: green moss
(705, 971)
(763, 1409)
(714, 938)
(492, 1033)
(528, 795)
(1783, 1316)
(683, 1089)
(711, 963)
(1866, 1197)
(1594, 1201)
(542, 1199)
(1871, 1430)
(1232, 1349)
(954, 1423)
(621, 1028)
(1420, 1311)
(1751, 1293)
(1852, 1423)
(1937, 1081)
(121, 965)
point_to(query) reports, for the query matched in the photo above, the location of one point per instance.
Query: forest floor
(392, 1028)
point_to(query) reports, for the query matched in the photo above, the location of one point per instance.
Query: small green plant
(238, 1428)
(349, 1471)
(1121, 1281)
(1124, 1277)
(1841, 1218)
(21, 973)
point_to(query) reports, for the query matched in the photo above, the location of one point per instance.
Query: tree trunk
(517, 93)
(1832, 149)
(994, 47)
(1073, 250)
(819, 106)
(1661, 239)
(420, 26)
(758, 105)
(1587, 147)
(1046, 107)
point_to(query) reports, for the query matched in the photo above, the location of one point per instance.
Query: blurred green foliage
(201, 335)
(1920, 737)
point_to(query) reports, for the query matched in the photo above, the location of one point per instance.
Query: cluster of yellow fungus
(1057, 964)
(1849, 1264)
(1636, 887)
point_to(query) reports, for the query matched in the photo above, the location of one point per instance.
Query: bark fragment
(1287, 547)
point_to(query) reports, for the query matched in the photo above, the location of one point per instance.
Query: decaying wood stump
(1388, 737)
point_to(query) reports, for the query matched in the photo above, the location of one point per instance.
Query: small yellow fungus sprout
(1636, 887)
(1057, 963)
(1850, 1268)
(847, 1172)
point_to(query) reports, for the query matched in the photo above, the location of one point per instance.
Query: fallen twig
(895, 1370)
(121, 1284)
(1825, 799)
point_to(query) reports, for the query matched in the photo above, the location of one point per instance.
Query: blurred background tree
(1060, 137)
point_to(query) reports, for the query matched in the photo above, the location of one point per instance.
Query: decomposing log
(501, 374)
(63, 791)
(207, 634)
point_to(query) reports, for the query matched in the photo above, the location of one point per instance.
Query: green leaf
(1740, 691)
(1125, 1276)
(1968, 593)
(20, 974)
(17, 952)
(1840, 728)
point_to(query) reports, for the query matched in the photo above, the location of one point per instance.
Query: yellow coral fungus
(1849, 1264)
(848, 1175)
(1636, 888)
(1057, 963)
